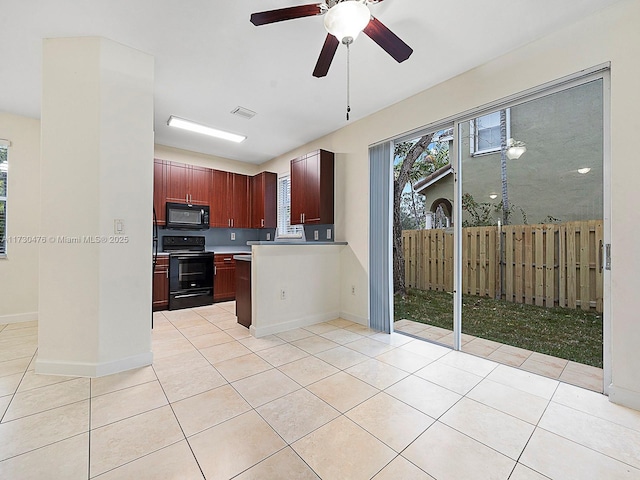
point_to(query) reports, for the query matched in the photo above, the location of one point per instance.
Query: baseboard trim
(624, 397)
(92, 370)
(19, 318)
(355, 318)
(291, 324)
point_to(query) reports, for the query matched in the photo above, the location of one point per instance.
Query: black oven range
(190, 271)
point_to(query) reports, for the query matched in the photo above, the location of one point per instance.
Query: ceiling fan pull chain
(348, 83)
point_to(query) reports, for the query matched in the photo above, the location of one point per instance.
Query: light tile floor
(567, 371)
(332, 401)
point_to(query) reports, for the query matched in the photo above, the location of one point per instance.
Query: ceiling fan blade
(388, 40)
(326, 56)
(272, 16)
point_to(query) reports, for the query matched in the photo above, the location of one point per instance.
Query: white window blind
(284, 209)
(3, 196)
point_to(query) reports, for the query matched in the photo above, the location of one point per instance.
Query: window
(485, 131)
(3, 196)
(284, 209)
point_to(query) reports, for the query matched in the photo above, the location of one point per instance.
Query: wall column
(96, 168)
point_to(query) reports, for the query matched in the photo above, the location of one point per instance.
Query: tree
(503, 167)
(410, 152)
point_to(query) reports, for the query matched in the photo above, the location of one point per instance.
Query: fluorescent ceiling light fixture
(203, 129)
(584, 170)
(493, 196)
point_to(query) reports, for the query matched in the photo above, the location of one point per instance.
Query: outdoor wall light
(515, 149)
(584, 170)
(493, 196)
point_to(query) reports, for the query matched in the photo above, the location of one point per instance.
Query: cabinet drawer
(223, 259)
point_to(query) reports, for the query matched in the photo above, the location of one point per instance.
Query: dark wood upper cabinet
(188, 183)
(312, 188)
(229, 200)
(200, 185)
(229, 195)
(241, 206)
(218, 199)
(159, 190)
(264, 200)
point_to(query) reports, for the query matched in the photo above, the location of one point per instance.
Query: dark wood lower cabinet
(224, 283)
(161, 283)
(243, 292)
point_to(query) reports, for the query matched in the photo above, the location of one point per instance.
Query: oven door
(190, 280)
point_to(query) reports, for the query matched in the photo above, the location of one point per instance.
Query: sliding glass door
(533, 233)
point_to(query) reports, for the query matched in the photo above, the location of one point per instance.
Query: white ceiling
(210, 59)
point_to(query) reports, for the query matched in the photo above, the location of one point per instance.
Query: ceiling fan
(344, 20)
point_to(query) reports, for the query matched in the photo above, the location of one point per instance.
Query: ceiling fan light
(347, 19)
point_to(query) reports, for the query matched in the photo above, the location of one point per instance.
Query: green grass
(561, 332)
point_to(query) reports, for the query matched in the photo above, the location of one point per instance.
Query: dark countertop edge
(244, 258)
(260, 242)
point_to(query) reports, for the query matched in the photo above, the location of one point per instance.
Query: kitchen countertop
(295, 242)
(244, 258)
(224, 249)
(221, 249)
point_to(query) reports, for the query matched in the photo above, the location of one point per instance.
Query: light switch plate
(328, 234)
(315, 235)
(118, 226)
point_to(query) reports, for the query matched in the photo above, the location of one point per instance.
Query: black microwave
(187, 217)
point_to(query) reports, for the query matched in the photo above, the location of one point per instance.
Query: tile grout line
(179, 425)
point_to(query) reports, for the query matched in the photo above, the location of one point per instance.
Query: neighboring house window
(284, 209)
(485, 133)
(3, 197)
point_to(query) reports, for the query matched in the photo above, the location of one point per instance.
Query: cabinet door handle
(215, 270)
(233, 222)
(262, 222)
(229, 222)
(228, 259)
(300, 218)
(167, 273)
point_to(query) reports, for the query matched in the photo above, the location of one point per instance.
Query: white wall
(306, 273)
(608, 36)
(19, 270)
(172, 154)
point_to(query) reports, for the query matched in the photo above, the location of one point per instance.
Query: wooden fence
(545, 265)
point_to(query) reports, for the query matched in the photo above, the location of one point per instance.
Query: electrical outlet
(328, 234)
(283, 295)
(315, 235)
(233, 235)
(353, 289)
(268, 236)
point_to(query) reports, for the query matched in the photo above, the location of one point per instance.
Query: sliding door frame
(599, 72)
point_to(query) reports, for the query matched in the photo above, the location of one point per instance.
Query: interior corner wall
(611, 35)
(19, 270)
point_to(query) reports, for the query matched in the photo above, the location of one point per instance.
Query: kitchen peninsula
(293, 284)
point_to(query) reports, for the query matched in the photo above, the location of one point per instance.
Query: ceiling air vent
(243, 112)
